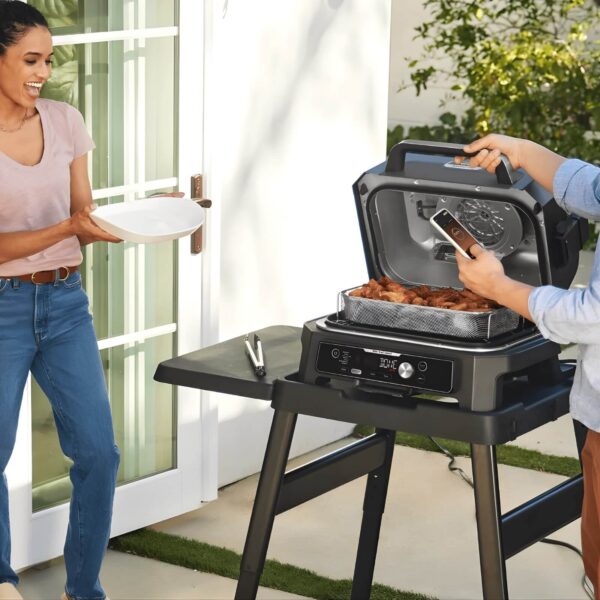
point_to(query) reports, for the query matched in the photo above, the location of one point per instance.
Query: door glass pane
(143, 410)
(126, 91)
(144, 419)
(87, 16)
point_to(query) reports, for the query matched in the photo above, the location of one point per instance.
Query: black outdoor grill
(388, 366)
(469, 356)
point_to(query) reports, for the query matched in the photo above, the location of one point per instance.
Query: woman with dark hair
(45, 325)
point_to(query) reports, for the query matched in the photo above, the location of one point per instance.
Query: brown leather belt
(40, 277)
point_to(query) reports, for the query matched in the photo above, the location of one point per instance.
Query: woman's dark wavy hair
(16, 18)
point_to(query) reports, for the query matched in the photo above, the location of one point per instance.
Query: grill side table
(225, 368)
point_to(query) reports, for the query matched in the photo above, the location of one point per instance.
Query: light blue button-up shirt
(574, 315)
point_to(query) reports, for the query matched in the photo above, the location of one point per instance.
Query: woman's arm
(564, 316)
(485, 276)
(82, 204)
(20, 244)
(575, 184)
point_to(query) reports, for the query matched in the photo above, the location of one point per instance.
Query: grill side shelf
(225, 367)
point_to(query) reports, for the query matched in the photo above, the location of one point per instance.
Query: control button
(356, 371)
(422, 366)
(335, 353)
(406, 370)
(421, 379)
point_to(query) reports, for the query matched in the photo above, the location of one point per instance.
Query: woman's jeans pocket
(73, 280)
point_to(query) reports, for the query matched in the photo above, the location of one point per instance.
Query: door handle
(197, 196)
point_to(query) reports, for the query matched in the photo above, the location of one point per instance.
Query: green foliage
(63, 84)
(447, 130)
(58, 13)
(527, 68)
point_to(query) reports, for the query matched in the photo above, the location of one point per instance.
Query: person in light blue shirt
(561, 315)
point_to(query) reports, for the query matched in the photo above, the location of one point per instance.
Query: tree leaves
(527, 68)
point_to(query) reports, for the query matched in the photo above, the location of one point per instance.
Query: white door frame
(39, 537)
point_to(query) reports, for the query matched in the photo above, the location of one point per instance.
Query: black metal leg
(265, 503)
(489, 532)
(373, 507)
(580, 435)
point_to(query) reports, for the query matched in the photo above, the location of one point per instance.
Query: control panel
(371, 364)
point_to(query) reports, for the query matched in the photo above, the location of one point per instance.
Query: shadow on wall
(304, 96)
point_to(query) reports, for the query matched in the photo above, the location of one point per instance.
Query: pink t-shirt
(39, 196)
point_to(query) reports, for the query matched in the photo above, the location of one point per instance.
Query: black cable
(561, 543)
(454, 469)
(452, 459)
(584, 580)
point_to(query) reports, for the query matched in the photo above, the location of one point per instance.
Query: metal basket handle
(340, 302)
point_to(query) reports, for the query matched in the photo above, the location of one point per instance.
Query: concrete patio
(428, 542)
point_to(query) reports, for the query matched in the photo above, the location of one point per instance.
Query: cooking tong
(255, 354)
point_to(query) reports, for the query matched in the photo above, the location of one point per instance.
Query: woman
(561, 315)
(45, 326)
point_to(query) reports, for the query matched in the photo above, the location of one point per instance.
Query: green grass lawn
(196, 555)
(506, 455)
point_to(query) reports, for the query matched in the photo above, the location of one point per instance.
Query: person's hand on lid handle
(484, 275)
(539, 162)
(489, 150)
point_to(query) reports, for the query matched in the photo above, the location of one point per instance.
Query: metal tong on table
(255, 354)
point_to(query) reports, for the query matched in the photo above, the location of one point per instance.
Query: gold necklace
(26, 117)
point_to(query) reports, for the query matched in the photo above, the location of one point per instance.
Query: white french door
(135, 69)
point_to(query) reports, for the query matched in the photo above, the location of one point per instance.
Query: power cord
(453, 468)
(585, 583)
(451, 460)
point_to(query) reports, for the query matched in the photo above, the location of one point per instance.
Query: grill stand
(500, 536)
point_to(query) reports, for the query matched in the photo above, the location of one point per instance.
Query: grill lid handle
(397, 157)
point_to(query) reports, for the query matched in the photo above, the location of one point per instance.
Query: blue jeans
(47, 329)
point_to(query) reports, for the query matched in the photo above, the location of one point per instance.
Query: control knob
(406, 370)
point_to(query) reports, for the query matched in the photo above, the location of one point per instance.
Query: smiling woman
(26, 66)
(23, 76)
(45, 324)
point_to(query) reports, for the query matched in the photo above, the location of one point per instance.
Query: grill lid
(508, 213)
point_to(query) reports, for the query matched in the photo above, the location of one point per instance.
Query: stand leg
(265, 503)
(373, 507)
(487, 505)
(580, 435)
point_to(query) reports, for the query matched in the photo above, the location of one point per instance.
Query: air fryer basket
(428, 319)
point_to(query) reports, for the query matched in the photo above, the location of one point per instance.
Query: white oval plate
(150, 220)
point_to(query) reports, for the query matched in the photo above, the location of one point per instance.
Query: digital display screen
(455, 231)
(385, 366)
(381, 362)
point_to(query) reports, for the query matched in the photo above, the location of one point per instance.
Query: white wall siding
(406, 107)
(304, 87)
